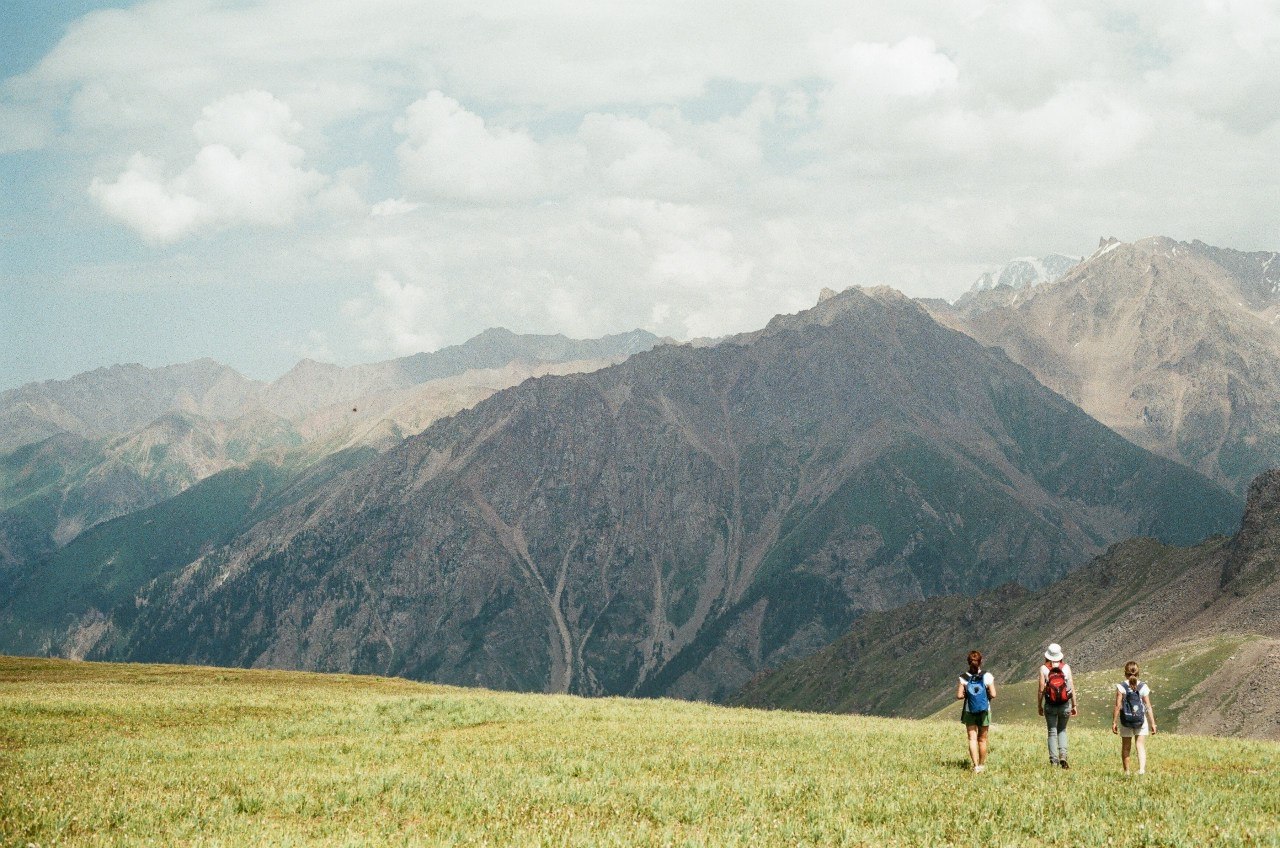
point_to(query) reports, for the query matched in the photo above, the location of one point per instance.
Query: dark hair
(1131, 672)
(975, 661)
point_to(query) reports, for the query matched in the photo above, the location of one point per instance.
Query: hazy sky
(261, 180)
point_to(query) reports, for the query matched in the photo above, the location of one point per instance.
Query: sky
(259, 181)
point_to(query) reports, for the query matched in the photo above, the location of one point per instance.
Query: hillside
(1206, 616)
(61, 602)
(673, 524)
(98, 754)
(1173, 345)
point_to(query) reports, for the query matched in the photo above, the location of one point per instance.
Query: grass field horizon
(102, 754)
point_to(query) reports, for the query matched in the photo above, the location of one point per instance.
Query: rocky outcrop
(1171, 344)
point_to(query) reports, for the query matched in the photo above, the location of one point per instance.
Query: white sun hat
(1054, 654)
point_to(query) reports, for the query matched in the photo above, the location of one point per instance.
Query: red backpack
(1055, 686)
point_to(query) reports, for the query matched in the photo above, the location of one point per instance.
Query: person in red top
(1056, 702)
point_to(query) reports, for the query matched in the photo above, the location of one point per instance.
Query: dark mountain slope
(66, 601)
(1141, 599)
(677, 522)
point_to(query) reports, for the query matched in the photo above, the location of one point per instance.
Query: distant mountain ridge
(671, 524)
(110, 401)
(114, 400)
(119, 439)
(1174, 345)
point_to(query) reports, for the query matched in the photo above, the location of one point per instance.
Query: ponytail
(1131, 672)
(975, 662)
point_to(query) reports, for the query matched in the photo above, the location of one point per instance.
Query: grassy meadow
(96, 754)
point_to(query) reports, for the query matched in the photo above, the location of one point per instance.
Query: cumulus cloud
(246, 172)
(1087, 127)
(631, 156)
(448, 152)
(396, 317)
(913, 67)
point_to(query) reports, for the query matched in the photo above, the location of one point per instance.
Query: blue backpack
(1133, 713)
(975, 694)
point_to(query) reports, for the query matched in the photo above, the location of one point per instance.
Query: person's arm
(1115, 714)
(960, 691)
(1071, 687)
(991, 689)
(1151, 714)
(1040, 691)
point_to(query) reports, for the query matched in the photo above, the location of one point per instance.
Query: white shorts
(1130, 732)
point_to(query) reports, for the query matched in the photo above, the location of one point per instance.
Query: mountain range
(116, 440)
(668, 525)
(1171, 344)
(846, 492)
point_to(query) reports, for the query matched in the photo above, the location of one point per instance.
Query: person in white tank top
(1131, 736)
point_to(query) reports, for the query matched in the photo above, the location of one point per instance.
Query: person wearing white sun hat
(1056, 699)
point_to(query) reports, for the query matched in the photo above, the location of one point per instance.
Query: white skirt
(1130, 732)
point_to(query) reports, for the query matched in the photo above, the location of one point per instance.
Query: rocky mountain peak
(1260, 526)
(1263, 505)
(1025, 272)
(855, 300)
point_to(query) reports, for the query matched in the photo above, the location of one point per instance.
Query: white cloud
(395, 318)
(1085, 126)
(448, 152)
(392, 206)
(689, 167)
(634, 157)
(247, 172)
(913, 67)
(142, 199)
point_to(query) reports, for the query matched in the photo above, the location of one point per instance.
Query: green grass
(96, 754)
(1171, 676)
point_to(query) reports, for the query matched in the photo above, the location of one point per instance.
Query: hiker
(1133, 719)
(1056, 701)
(977, 689)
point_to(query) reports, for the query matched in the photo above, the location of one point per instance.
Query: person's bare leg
(972, 730)
(982, 745)
(1142, 754)
(1124, 752)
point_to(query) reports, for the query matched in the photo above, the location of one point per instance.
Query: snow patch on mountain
(1022, 273)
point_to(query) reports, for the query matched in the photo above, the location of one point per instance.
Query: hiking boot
(1063, 763)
